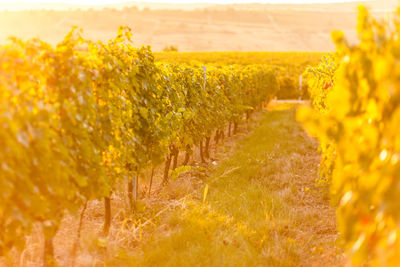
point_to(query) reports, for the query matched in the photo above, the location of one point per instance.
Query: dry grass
(262, 208)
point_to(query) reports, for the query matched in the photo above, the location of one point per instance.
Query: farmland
(112, 154)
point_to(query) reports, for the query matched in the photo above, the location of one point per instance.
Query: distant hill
(20, 5)
(194, 27)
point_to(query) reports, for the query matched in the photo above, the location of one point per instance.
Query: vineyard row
(77, 118)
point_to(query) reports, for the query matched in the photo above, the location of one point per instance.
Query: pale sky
(102, 2)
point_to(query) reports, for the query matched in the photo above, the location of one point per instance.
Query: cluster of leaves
(77, 117)
(321, 81)
(360, 119)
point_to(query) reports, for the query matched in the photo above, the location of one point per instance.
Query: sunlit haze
(192, 25)
(102, 2)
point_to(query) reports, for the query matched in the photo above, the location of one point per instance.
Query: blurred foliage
(356, 116)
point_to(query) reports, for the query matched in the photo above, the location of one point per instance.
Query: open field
(198, 27)
(294, 63)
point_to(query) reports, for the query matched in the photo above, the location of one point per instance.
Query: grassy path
(262, 208)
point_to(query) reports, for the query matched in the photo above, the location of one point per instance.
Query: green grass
(257, 210)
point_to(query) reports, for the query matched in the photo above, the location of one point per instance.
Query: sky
(102, 2)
